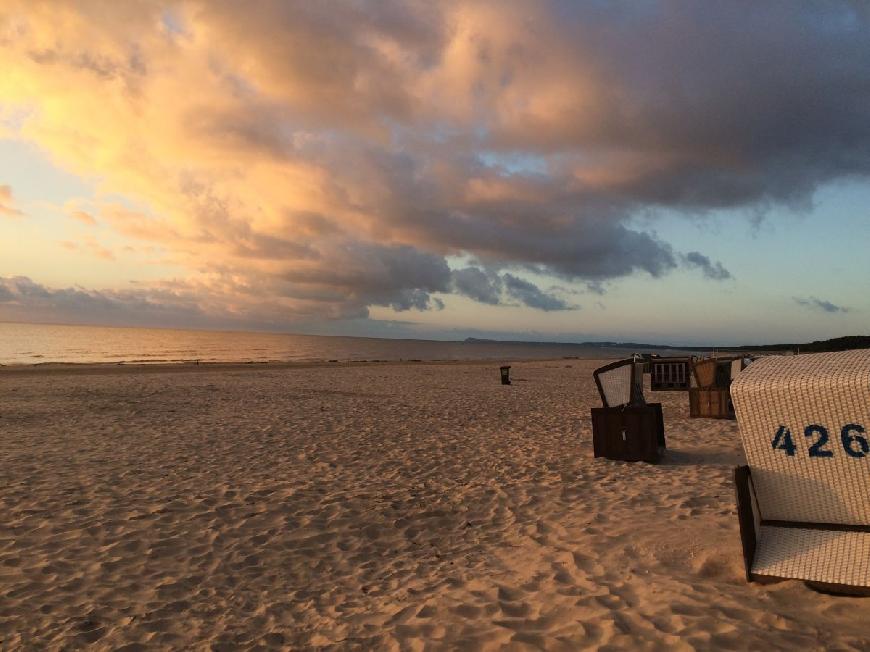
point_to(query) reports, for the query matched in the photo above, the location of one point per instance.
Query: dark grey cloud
(820, 304)
(361, 274)
(596, 287)
(706, 108)
(24, 299)
(477, 284)
(531, 295)
(490, 287)
(570, 233)
(416, 299)
(712, 270)
(182, 304)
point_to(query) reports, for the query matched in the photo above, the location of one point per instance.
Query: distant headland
(818, 346)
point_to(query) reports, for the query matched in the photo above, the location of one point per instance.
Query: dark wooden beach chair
(709, 394)
(669, 374)
(626, 427)
(802, 497)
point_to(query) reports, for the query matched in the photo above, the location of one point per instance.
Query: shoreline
(191, 366)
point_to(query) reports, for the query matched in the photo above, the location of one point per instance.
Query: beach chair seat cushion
(827, 556)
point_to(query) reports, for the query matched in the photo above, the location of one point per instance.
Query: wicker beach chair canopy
(620, 383)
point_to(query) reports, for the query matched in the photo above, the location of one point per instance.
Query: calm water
(40, 343)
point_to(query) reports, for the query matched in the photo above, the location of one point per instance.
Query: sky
(648, 171)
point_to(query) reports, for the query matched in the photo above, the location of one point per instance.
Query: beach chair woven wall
(620, 383)
(626, 427)
(803, 500)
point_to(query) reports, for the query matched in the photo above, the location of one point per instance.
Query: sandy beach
(380, 506)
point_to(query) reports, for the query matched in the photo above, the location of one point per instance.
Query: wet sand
(379, 506)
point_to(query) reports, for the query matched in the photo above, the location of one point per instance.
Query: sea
(29, 344)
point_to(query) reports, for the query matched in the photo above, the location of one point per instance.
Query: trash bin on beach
(505, 375)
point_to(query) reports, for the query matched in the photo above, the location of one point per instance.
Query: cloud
(23, 299)
(83, 217)
(712, 270)
(90, 246)
(401, 277)
(487, 286)
(7, 207)
(532, 296)
(303, 161)
(478, 285)
(596, 287)
(219, 303)
(820, 304)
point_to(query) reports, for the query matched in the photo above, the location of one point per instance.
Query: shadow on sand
(698, 458)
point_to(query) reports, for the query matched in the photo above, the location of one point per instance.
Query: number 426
(852, 438)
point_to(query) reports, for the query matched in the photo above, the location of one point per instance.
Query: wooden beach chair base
(710, 404)
(831, 557)
(629, 433)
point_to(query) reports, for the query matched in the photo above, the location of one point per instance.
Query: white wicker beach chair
(804, 498)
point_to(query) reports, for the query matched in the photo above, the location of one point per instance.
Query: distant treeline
(819, 346)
